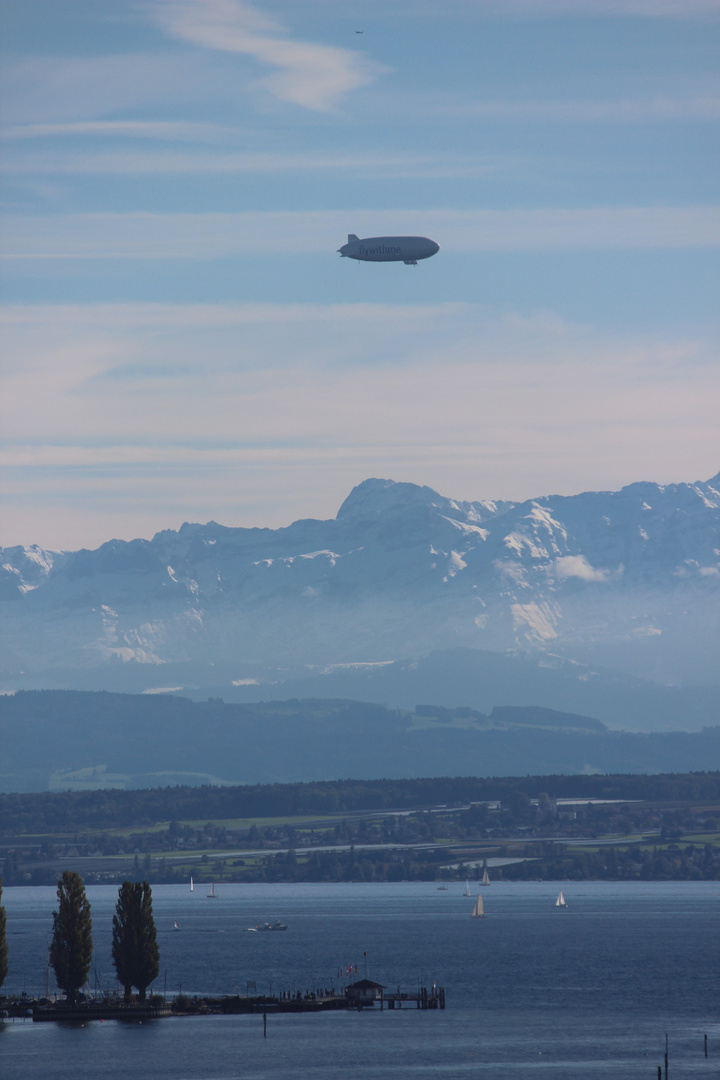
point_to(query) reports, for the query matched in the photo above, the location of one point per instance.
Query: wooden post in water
(666, 1056)
(659, 1072)
(706, 1046)
(265, 1025)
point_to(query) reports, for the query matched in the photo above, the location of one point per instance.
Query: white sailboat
(175, 925)
(560, 902)
(212, 895)
(478, 912)
(192, 887)
(467, 888)
(485, 877)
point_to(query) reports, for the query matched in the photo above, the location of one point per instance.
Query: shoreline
(227, 1005)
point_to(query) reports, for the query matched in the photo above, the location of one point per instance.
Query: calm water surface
(533, 992)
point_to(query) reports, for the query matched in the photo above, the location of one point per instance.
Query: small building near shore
(364, 992)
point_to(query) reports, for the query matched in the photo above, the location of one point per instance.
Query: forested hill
(74, 811)
(59, 740)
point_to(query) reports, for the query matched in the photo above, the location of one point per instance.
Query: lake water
(532, 992)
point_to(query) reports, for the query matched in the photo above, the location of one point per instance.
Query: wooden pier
(434, 998)
(424, 999)
(81, 1014)
(360, 995)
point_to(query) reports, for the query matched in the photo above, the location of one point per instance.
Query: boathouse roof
(365, 984)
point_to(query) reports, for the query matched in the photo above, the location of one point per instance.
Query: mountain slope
(630, 579)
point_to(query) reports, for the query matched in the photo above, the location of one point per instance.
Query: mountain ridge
(628, 579)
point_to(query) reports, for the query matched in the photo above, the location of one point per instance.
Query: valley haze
(602, 603)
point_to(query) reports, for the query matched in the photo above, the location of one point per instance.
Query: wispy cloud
(375, 10)
(700, 106)
(658, 108)
(652, 9)
(217, 235)
(128, 418)
(310, 74)
(201, 161)
(76, 89)
(119, 129)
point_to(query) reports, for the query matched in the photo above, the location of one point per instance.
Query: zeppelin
(406, 249)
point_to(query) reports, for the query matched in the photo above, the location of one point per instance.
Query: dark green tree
(135, 950)
(3, 942)
(124, 936)
(71, 946)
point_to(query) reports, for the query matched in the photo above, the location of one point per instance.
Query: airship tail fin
(352, 238)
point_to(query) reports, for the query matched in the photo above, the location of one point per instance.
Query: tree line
(57, 812)
(135, 952)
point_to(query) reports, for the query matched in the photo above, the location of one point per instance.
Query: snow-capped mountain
(630, 579)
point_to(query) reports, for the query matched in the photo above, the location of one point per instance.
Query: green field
(650, 827)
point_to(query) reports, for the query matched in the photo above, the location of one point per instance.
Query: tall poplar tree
(135, 951)
(71, 946)
(3, 942)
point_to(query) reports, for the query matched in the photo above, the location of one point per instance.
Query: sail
(560, 902)
(467, 888)
(191, 885)
(212, 894)
(485, 877)
(479, 909)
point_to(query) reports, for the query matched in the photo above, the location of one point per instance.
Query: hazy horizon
(181, 341)
(252, 524)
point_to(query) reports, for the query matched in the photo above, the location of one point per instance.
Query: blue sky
(181, 340)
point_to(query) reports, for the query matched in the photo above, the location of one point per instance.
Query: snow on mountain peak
(577, 566)
(374, 497)
(400, 571)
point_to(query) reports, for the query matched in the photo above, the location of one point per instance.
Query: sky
(180, 340)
